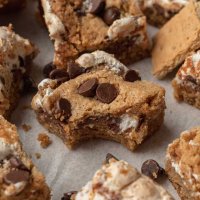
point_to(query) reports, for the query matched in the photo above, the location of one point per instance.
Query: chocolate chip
(58, 73)
(96, 6)
(152, 169)
(48, 68)
(68, 195)
(17, 163)
(110, 15)
(106, 93)
(16, 176)
(29, 85)
(62, 80)
(132, 76)
(21, 61)
(65, 107)
(110, 156)
(75, 70)
(88, 88)
(191, 79)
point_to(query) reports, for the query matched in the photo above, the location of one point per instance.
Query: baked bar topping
(105, 100)
(119, 180)
(19, 178)
(183, 158)
(87, 25)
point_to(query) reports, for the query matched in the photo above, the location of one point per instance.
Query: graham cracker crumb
(26, 127)
(38, 155)
(44, 140)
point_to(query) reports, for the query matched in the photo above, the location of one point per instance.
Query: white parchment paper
(67, 170)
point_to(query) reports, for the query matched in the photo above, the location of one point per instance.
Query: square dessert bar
(11, 5)
(16, 53)
(176, 40)
(158, 12)
(117, 179)
(98, 97)
(187, 81)
(80, 26)
(19, 178)
(183, 164)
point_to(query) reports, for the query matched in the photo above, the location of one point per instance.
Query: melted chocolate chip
(132, 76)
(106, 93)
(16, 176)
(152, 169)
(96, 6)
(58, 73)
(29, 85)
(68, 195)
(64, 107)
(88, 88)
(75, 70)
(110, 156)
(110, 15)
(21, 62)
(47, 69)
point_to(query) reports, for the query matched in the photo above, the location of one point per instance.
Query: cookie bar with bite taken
(187, 81)
(119, 180)
(158, 12)
(11, 5)
(176, 40)
(16, 53)
(19, 178)
(80, 26)
(98, 97)
(183, 164)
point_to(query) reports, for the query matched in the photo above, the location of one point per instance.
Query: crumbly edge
(186, 94)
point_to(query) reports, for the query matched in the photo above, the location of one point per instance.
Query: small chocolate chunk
(152, 169)
(96, 6)
(29, 85)
(132, 76)
(88, 88)
(191, 79)
(110, 15)
(58, 73)
(68, 195)
(106, 93)
(75, 70)
(65, 107)
(48, 68)
(62, 80)
(110, 156)
(16, 176)
(21, 61)
(17, 163)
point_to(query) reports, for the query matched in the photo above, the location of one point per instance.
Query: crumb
(26, 127)
(44, 140)
(38, 155)
(26, 107)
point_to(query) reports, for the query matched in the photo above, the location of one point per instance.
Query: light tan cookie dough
(158, 12)
(11, 5)
(19, 178)
(176, 40)
(119, 180)
(80, 26)
(183, 164)
(16, 53)
(104, 100)
(187, 81)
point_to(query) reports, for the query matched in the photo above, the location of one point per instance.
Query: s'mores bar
(81, 26)
(117, 179)
(11, 5)
(187, 81)
(19, 178)
(16, 53)
(183, 164)
(98, 97)
(158, 12)
(176, 40)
